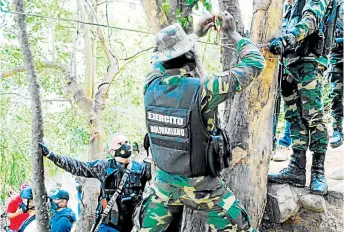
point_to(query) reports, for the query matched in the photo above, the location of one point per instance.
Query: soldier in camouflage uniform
(109, 172)
(302, 91)
(177, 105)
(336, 78)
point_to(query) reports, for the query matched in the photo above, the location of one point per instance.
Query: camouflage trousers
(336, 95)
(302, 94)
(208, 195)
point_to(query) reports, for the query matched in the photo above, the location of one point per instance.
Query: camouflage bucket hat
(172, 42)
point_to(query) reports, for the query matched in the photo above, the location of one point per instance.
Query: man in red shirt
(15, 213)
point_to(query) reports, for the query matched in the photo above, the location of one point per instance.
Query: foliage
(186, 20)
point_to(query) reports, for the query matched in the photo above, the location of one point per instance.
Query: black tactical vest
(130, 195)
(318, 43)
(178, 137)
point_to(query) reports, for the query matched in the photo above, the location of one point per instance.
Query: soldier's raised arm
(220, 88)
(312, 14)
(93, 169)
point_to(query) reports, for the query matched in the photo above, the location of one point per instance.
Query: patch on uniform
(166, 119)
(167, 125)
(168, 131)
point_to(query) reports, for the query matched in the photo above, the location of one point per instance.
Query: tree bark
(89, 50)
(22, 68)
(38, 187)
(230, 56)
(250, 122)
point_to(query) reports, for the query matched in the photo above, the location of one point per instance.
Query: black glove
(278, 45)
(146, 142)
(45, 149)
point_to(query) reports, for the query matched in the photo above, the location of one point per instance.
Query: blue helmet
(26, 193)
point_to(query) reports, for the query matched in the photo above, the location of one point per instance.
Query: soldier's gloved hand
(45, 149)
(278, 45)
(203, 26)
(228, 26)
(227, 22)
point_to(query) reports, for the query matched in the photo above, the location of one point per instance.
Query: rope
(95, 24)
(77, 21)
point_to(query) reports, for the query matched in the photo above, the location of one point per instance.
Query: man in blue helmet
(30, 224)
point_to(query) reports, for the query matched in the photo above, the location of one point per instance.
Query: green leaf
(178, 12)
(181, 20)
(189, 2)
(207, 6)
(190, 18)
(186, 24)
(166, 6)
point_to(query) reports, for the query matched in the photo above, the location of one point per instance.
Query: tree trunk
(38, 187)
(230, 56)
(94, 109)
(192, 221)
(251, 118)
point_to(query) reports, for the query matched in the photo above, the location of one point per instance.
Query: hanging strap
(113, 198)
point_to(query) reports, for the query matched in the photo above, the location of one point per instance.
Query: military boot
(336, 139)
(295, 173)
(318, 182)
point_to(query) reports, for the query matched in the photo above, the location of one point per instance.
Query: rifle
(113, 199)
(277, 103)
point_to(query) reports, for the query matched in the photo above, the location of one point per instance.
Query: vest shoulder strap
(152, 76)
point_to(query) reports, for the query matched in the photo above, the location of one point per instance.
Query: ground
(306, 218)
(333, 162)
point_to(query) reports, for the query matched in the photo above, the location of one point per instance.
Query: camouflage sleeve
(93, 169)
(312, 15)
(220, 88)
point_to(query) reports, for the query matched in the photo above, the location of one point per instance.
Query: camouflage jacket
(219, 88)
(312, 14)
(101, 169)
(336, 55)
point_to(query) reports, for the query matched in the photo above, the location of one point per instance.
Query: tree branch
(88, 49)
(22, 68)
(111, 59)
(44, 100)
(78, 94)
